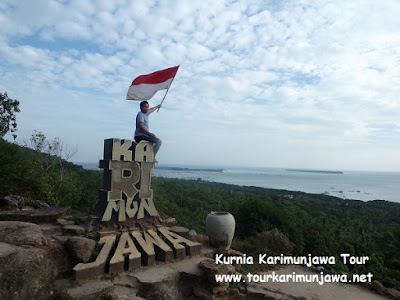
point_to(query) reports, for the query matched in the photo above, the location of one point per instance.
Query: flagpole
(167, 91)
(165, 95)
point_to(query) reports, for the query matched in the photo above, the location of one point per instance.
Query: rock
(392, 293)
(27, 208)
(11, 201)
(50, 229)
(81, 221)
(231, 252)
(377, 287)
(220, 288)
(39, 204)
(170, 281)
(75, 229)
(65, 221)
(182, 231)
(8, 214)
(90, 223)
(90, 290)
(126, 279)
(59, 285)
(48, 215)
(22, 233)
(203, 294)
(257, 291)
(192, 233)
(62, 239)
(123, 293)
(80, 248)
(30, 214)
(7, 252)
(152, 276)
(211, 269)
(93, 223)
(168, 221)
(27, 275)
(201, 238)
(60, 254)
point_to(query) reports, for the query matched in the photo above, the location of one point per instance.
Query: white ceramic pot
(220, 227)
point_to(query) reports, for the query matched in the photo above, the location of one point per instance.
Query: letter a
(117, 261)
(144, 151)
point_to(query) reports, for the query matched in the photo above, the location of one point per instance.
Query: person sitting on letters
(142, 126)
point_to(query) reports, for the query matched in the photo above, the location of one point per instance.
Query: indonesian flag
(145, 86)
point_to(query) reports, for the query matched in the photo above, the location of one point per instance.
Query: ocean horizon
(355, 185)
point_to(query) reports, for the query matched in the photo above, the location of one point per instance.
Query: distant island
(191, 169)
(315, 171)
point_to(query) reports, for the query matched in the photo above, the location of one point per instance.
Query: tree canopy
(8, 110)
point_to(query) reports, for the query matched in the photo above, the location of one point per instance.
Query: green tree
(53, 156)
(8, 109)
(21, 175)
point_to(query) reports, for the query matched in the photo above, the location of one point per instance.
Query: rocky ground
(328, 291)
(39, 246)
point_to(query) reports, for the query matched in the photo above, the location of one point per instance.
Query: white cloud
(304, 82)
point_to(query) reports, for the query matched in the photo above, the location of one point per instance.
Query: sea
(357, 185)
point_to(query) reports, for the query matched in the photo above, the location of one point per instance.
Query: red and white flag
(145, 86)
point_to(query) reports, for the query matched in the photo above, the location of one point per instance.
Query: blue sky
(300, 84)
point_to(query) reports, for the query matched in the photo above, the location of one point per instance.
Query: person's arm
(144, 129)
(154, 108)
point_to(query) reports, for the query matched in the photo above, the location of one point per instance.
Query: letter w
(228, 278)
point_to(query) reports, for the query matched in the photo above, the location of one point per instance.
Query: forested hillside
(268, 220)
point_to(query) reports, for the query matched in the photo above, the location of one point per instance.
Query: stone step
(90, 290)
(74, 229)
(51, 229)
(65, 221)
(123, 293)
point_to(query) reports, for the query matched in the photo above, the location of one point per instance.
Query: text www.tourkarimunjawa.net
(320, 278)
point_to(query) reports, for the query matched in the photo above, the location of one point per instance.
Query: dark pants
(151, 139)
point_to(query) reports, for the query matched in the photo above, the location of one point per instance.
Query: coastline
(351, 185)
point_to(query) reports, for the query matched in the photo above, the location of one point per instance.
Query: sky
(287, 84)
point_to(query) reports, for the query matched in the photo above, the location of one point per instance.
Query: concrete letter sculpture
(129, 227)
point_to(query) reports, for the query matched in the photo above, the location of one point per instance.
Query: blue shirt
(144, 118)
